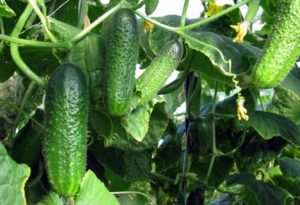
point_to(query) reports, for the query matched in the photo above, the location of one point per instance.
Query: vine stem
(43, 20)
(95, 23)
(184, 11)
(169, 28)
(212, 18)
(14, 49)
(186, 162)
(179, 30)
(34, 43)
(213, 133)
(24, 100)
(2, 32)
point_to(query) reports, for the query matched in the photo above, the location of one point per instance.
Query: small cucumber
(121, 59)
(282, 49)
(65, 146)
(159, 70)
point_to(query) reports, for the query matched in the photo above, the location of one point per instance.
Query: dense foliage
(210, 136)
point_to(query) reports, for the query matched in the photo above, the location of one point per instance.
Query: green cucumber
(121, 58)
(156, 74)
(65, 146)
(282, 48)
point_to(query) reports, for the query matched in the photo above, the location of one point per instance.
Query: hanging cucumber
(121, 59)
(282, 49)
(156, 74)
(66, 109)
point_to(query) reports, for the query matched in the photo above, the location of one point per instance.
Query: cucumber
(65, 145)
(120, 61)
(156, 74)
(282, 48)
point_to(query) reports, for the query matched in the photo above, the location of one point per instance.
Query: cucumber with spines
(122, 52)
(65, 146)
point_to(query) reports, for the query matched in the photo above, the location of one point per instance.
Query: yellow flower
(241, 29)
(148, 26)
(213, 8)
(241, 110)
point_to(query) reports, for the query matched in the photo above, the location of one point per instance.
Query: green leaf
(150, 6)
(93, 192)
(270, 125)
(13, 177)
(292, 185)
(291, 81)
(219, 57)
(67, 7)
(140, 130)
(138, 122)
(265, 193)
(286, 103)
(221, 168)
(5, 10)
(131, 166)
(51, 199)
(290, 167)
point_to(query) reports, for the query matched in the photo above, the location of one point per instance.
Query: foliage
(209, 136)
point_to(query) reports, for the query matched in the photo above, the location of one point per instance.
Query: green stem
(88, 29)
(82, 11)
(169, 28)
(162, 177)
(34, 43)
(2, 32)
(213, 133)
(212, 18)
(43, 20)
(184, 11)
(14, 49)
(23, 102)
(252, 10)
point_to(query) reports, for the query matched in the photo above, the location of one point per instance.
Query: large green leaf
(13, 177)
(265, 193)
(286, 103)
(219, 57)
(290, 167)
(51, 199)
(270, 125)
(131, 166)
(93, 192)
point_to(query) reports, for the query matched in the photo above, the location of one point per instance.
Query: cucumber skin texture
(282, 49)
(65, 145)
(159, 70)
(122, 52)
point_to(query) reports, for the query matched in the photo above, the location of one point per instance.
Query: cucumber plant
(76, 124)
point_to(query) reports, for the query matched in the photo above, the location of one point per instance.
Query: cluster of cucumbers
(66, 102)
